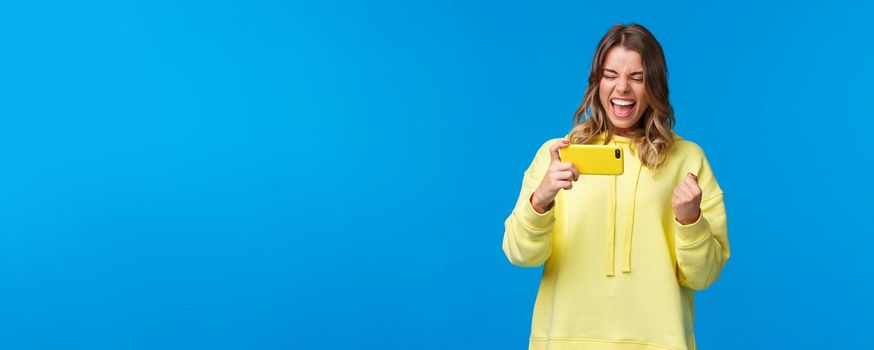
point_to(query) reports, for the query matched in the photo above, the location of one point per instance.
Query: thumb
(692, 176)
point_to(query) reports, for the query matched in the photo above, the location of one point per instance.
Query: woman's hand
(687, 200)
(560, 175)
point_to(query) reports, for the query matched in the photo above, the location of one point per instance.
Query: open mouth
(622, 108)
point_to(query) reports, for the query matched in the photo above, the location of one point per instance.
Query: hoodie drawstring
(611, 234)
(629, 220)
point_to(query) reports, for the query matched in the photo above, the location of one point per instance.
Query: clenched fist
(560, 175)
(687, 200)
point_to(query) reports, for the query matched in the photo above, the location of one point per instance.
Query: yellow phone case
(594, 159)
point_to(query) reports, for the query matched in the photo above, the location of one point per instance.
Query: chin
(623, 124)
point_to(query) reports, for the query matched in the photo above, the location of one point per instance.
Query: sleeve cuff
(534, 220)
(694, 233)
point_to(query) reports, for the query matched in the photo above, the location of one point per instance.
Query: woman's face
(621, 90)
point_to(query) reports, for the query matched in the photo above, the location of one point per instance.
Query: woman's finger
(572, 168)
(564, 175)
(566, 165)
(692, 185)
(685, 192)
(576, 172)
(553, 150)
(564, 184)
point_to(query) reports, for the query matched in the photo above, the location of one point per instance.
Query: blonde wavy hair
(655, 136)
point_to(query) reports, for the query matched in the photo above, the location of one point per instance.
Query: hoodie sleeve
(527, 233)
(702, 247)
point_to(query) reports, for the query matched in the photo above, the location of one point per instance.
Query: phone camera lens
(617, 154)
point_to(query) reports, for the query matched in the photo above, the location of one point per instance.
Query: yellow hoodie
(619, 271)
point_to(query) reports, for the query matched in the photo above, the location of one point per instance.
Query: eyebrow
(614, 72)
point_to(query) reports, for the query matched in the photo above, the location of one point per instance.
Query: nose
(623, 85)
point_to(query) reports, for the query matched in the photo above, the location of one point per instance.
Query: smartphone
(594, 159)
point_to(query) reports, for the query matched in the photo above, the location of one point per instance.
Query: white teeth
(622, 102)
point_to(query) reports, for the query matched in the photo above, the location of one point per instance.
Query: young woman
(622, 253)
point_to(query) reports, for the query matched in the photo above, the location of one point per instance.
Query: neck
(626, 132)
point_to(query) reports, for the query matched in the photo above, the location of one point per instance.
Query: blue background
(271, 175)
